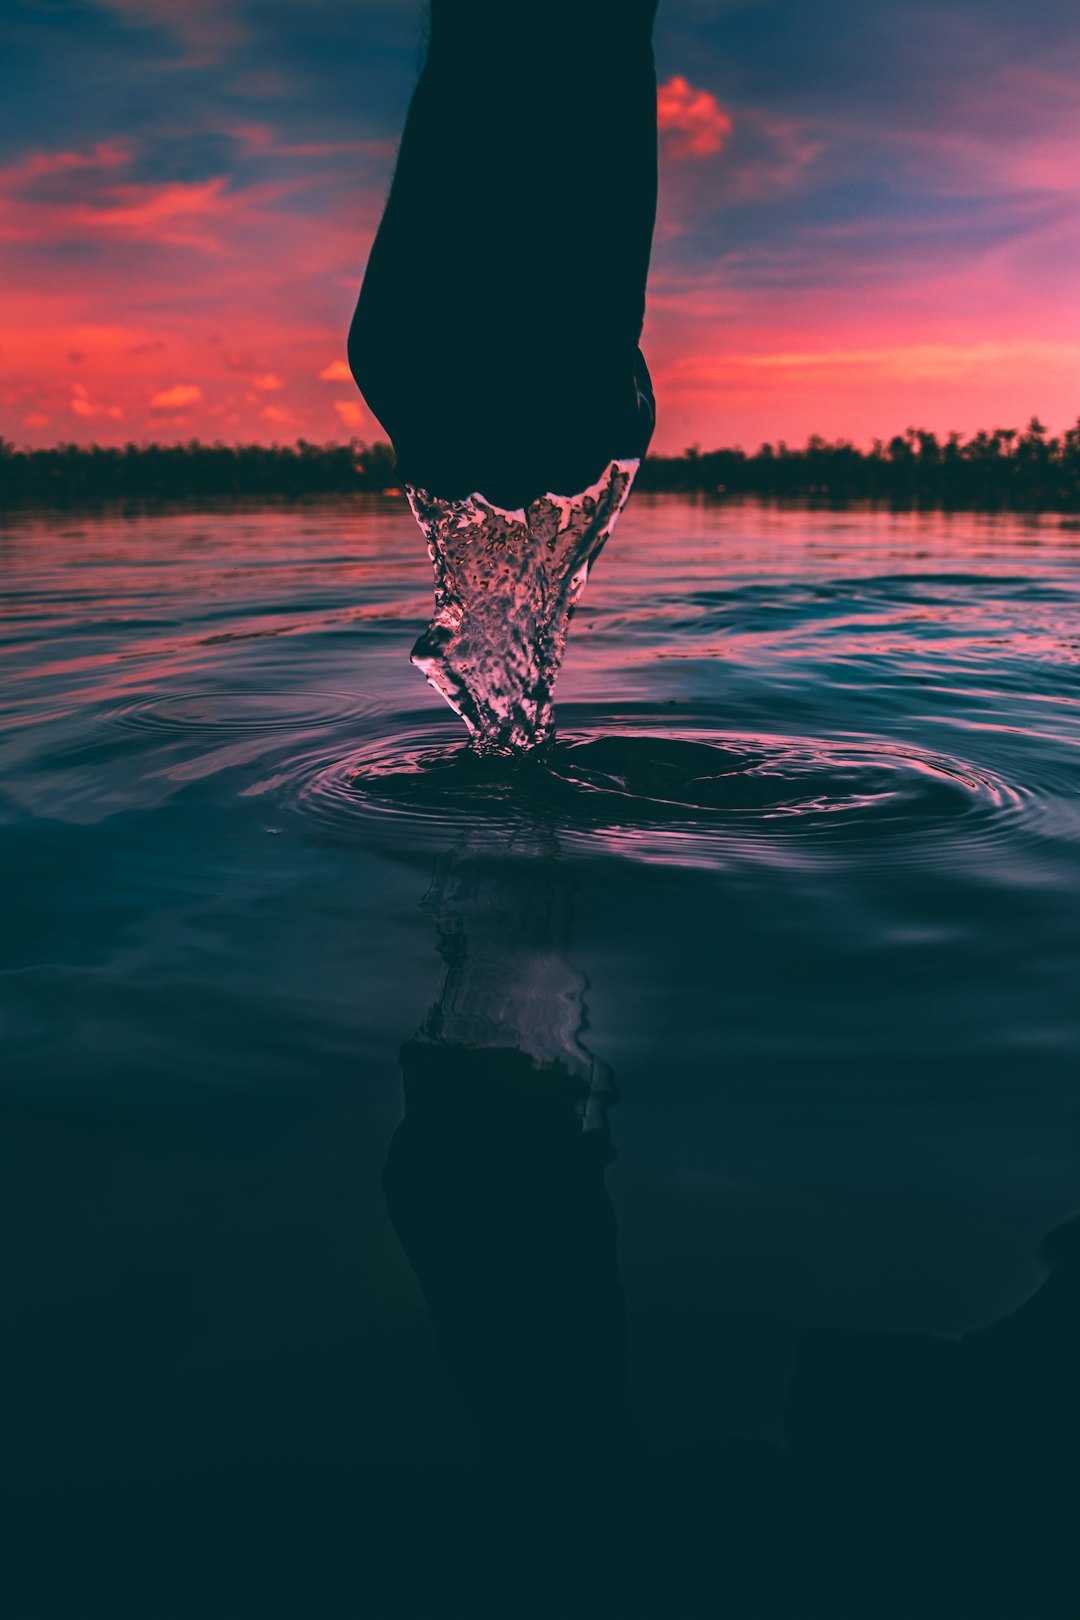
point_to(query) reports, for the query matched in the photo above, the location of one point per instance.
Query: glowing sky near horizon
(870, 215)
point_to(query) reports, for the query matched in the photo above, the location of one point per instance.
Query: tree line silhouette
(999, 469)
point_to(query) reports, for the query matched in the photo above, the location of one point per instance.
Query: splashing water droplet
(505, 587)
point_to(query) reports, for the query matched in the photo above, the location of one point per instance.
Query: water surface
(793, 904)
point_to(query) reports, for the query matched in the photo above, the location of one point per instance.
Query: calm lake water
(789, 923)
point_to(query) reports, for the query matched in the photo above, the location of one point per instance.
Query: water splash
(506, 584)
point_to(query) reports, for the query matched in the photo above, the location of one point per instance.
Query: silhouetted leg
(496, 332)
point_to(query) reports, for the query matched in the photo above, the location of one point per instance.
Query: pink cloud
(50, 196)
(39, 165)
(693, 121)
(259, 140)
(71, 196)
(144, 207)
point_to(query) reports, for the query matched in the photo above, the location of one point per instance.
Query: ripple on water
(251, 711)
(646, 789)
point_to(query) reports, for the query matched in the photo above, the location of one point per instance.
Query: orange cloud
(337, 371)
(269, 383)
(693, 121)
(174, 399)
(82, 405)
(350, 412)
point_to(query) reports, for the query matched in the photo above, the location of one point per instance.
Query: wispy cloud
(207, 28)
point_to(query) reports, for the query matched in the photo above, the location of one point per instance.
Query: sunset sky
(870, 215)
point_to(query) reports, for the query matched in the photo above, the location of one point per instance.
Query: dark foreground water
(784, 933)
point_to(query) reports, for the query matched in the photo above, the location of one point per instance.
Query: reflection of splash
(505, 587)
(495, 1177)
(504, 921)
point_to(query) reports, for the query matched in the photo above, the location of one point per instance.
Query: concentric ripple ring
(652, 790)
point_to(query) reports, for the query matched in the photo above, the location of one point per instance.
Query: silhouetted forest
(1003, 468)
(1028, 471)
(78, 475)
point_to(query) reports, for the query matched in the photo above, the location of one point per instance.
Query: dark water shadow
(939, 1475)
(918, 1474)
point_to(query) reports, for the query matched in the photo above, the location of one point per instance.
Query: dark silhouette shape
(498, 1197)
(940, 1476)
(496, 333)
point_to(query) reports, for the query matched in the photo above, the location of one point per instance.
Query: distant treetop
(999, 468)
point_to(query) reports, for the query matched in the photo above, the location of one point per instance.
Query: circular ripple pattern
(664, 793)
(242, 712)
